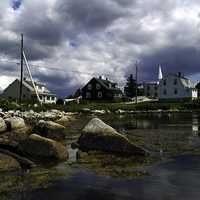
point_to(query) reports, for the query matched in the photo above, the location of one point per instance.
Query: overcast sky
(99, 37)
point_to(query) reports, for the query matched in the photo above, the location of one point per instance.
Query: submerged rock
(50, 130)
(99, 136)
(3, 126)
(44, 148)
(8, 163)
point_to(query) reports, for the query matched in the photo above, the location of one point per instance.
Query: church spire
(160, 76)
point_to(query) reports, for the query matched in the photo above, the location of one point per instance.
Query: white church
(171, 87)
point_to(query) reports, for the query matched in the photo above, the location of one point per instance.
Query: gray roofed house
(176, 86)
(12, 92)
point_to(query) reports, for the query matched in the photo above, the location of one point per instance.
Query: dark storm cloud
(58, 85)
(8, 68)
(125, 3)
(89, 15)
(9, 48)
(36, 51)
(173, 59)
(16, 4)
(39, 27)
(101, 37)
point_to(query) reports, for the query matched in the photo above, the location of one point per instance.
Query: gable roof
(29, 85)
(185, 81)
(106, 84)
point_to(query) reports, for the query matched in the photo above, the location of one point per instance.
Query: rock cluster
(34, 116)
(31, 136)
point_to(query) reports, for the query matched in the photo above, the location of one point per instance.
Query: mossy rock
(8, 163)
(50, 130)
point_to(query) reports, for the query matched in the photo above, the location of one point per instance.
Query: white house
(176, 87)
(28, 92)
(151, 90)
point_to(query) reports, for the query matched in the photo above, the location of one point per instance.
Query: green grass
(87, 106)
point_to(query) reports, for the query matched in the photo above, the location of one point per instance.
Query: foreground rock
(8, 163)
(44, 148)
(50, 130)
(15, 123)
(65, 120)
(99, 136)
(3, 126)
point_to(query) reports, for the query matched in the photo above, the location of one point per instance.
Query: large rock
(50, 130)
(8, 163)
(99, 136)
(14, 123)
(44, 148)
(3, 126)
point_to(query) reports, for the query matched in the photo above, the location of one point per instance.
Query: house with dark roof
(28, 92)
(100, 89)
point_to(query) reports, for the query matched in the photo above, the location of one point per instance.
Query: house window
(88, 95)
(89, 86)
(165, 92)
(117, 95)
(99, 94)
(148, 94)
(164, 82)
(175, 81)
(148, 88)
(155, 87)
(48, 98)
(175, 91)
(156, 94)
(98, 86)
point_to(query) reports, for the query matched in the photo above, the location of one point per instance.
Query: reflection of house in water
(195, 125)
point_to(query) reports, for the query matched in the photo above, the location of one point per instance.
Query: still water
(175, 137)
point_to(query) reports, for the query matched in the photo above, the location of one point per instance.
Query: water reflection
(178, 179)
(195, 124)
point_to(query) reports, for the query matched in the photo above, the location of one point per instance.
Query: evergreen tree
(198, 88)
(130, 88)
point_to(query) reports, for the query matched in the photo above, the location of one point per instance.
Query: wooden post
(22, 59)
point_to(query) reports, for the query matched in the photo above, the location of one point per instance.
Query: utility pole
(136, 80)
(22, 59)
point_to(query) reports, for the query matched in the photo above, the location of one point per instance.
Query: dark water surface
(176, 177)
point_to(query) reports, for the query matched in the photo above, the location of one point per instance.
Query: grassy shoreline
(86, 106)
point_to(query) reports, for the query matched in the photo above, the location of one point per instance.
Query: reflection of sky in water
(174, 180)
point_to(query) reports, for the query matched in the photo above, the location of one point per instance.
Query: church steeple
(160, 76)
